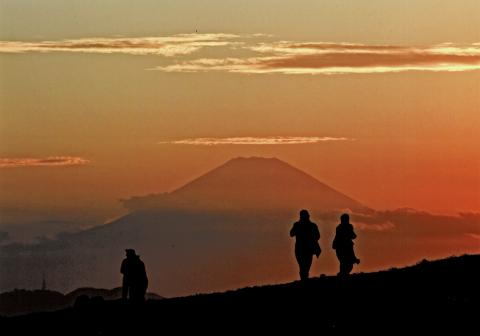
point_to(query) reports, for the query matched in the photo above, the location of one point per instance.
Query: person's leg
(352, 256)
(355, 260)
(135, 293)
(300, 263)
(124, 290)
(131, 292)
(342, 271)
(346, 262)
(308, 264)
(340, 261)
(348, 267)
(304, 262)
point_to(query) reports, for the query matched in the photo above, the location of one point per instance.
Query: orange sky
(73, 86)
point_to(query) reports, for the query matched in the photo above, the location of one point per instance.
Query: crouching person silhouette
(135, 281)
(343, 245)
(306, 242)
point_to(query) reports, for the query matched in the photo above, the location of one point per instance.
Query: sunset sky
(103, 100)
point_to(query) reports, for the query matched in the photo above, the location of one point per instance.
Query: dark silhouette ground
(438, 296)
(21, 301)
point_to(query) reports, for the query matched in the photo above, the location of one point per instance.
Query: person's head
(304, 215)
(345, 218)
(130, 253)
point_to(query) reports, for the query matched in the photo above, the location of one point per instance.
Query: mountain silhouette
(196, 239)
(430, 297)
(250, 183)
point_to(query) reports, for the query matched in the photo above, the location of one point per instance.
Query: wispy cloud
(265, 56)
(51, 161)
(339, 58)
(181, 44)
(474, 235)
(419, 224)
(277, 140)
(388, 225)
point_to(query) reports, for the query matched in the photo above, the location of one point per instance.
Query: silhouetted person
(306, 243)
(343, 245)
(135, 281)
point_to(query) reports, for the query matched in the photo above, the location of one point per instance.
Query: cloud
(388, 225)
(339, 58)
(181, 44)
(278, 140)
(265, 56)
(474, 235)
(26, 223)
(51, 161)
(410, 223)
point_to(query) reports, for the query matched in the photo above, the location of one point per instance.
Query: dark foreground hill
(21, 301)
(430, 297)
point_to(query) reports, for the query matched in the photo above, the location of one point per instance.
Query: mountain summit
(250, 183)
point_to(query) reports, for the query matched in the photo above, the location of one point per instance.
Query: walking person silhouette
(343, 245)
(135, 281)
(306, 243)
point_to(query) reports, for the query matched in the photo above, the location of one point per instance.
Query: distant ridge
(435, 296)
(21, 301)
(251, 183)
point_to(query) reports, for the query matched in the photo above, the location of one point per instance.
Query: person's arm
(122, 268)
(352, 233)
(334, 241)
(316, 233)
(293, 231)
(144, 271)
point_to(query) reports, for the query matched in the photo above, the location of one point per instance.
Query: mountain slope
(251, 183)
